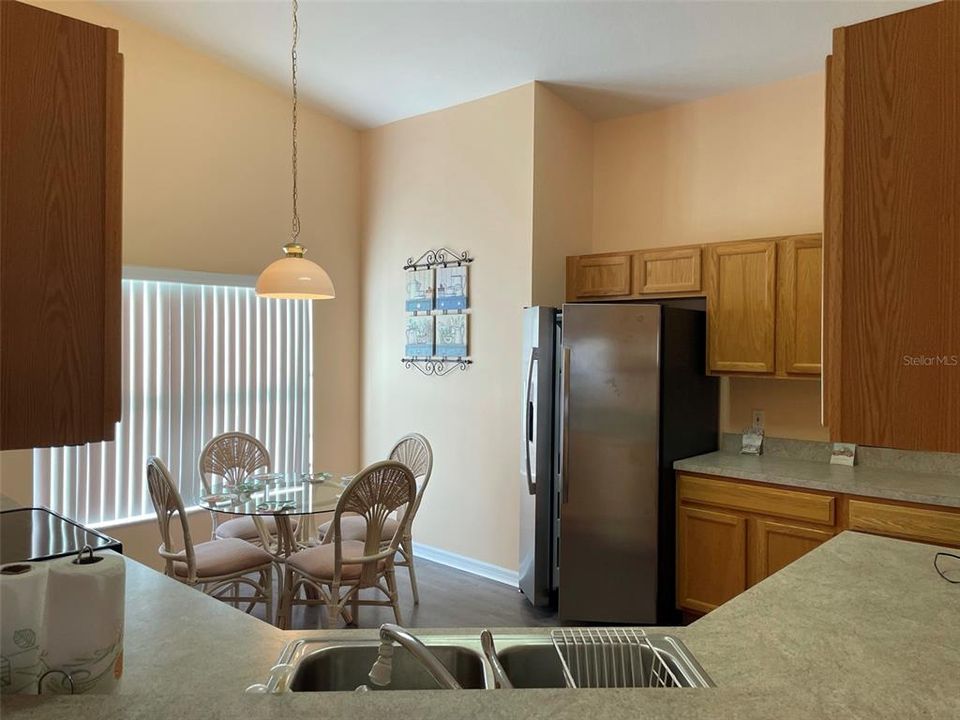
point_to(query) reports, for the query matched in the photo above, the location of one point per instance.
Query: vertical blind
(198, 360)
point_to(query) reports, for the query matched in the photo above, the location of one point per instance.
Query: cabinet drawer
(914, 523)
(792, 504)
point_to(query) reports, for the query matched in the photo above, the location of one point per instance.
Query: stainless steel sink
(533, 662)
(532, 666)
(530, 661)
(345, 667)
(315, 665)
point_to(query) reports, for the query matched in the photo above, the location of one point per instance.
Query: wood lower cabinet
(599, 276)
(732, 534)
(757, 499)
(774, 544)
(711, 558)
(741, 306)
(799, 284)
(668, 271)
(61, 82)
(904, 521)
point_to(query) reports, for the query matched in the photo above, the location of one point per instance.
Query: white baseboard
(461, 562)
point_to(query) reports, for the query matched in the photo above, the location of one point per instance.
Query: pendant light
(293, 276)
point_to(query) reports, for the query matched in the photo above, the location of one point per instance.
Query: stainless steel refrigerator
(613, 394)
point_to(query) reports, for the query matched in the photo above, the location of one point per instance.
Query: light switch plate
(757, 421)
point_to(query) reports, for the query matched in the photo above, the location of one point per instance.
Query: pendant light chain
(295, 230)
(293, 277)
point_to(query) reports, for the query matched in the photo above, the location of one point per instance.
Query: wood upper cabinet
(741, 306)
(711, 557)
(668, 271)
(892, 233)
(799, 284)
(599, 276)
(61, 137)
(776, 543)
(763, 297)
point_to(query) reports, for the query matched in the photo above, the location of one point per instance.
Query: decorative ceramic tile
(419, 291)
(452, 335)
(452, 287)
(419, 336)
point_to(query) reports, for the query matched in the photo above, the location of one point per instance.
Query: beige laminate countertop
(862, 627)
(891, 484)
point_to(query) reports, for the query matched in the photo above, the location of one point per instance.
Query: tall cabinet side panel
(689, 425)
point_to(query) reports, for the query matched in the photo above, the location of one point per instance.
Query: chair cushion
(318, 561)
(244, 527)
(224, 557)
(354, 527)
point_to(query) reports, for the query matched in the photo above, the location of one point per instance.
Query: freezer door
(609, 409)
(536, 467)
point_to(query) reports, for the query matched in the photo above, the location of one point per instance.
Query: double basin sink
(529, 661)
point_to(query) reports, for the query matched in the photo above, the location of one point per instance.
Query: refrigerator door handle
(528, 431)
(564, 423)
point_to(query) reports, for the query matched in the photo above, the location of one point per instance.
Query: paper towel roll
(84, 622)
(23, 589)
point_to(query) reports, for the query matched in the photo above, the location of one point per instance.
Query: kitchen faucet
(382, 669)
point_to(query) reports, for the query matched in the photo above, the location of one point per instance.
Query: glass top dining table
(276, 494)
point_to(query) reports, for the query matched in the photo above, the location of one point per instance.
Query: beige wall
(562, 192)
(747, 164)
(792, 407)
(16, 476)
(461, 177)
(207, 187)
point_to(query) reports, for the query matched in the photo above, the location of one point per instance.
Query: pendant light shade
(295, 278)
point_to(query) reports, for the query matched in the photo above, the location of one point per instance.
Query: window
(198, 360)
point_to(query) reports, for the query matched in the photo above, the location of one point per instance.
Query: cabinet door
(892, 231)
(799, 280)
(668, 271)
(775, 544)
(60, 308)
(711, 558)
(599, 276)
(741, 306)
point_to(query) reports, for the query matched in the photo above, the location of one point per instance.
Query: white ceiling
(371, 63)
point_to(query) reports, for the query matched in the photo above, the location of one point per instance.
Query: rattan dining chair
(414, 451)
(233, 457)
(334, 572)
(218, 567)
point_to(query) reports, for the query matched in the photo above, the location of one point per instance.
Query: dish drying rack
(611, 658)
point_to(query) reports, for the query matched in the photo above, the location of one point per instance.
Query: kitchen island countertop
(862, 627)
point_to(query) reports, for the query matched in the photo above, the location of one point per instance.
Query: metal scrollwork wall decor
(437, 366)
(442, 257)
(437, 307)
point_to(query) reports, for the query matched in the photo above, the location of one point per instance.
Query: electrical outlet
(758, 420)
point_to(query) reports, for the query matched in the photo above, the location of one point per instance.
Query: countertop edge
(713, 464)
